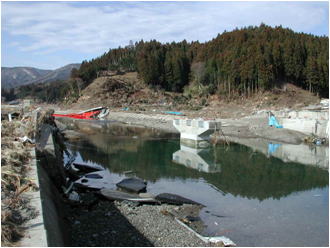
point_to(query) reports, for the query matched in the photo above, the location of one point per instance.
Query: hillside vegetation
(237, 63)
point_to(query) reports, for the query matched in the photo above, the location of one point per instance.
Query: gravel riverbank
(124, 223)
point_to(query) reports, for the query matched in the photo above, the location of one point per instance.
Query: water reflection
(272, 148)
(236, 169)
(317, 156)
(198, 159)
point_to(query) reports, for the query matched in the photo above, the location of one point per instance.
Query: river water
(253, 198)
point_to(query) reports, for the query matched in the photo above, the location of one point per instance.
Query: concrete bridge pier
(195, 133)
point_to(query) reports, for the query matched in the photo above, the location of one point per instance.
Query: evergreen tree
(240, 62)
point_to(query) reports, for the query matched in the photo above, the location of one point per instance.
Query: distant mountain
(16, 76)
(61, 73)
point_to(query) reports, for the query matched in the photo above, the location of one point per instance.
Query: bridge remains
(196, 132)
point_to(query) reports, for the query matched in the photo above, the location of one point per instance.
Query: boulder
(132, 184)
(122, 196)
(174, 199)
(93, 176)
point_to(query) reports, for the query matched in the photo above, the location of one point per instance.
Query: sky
(48, 35)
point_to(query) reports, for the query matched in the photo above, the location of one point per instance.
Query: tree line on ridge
(240, 62)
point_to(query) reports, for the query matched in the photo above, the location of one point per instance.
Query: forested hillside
(240, 62)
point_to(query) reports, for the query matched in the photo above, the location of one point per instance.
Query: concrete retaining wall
(306, 121)
(35, 234)
(50, 175)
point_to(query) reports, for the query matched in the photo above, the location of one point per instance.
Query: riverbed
(250, 196)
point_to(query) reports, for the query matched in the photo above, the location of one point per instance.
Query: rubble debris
(129, 171)
(26, 139)
(174, 199)
(69, 162)
(133, 184)
(325, 103)
(16, 210)
(222, 239)
(193, 218)
(74, 196)
(218, 241)
(73, 170)
(315, 140)
(146, 195)
(14, 102)
(88, 167)
(67, 190)
(121, 196)
(94, 176)
(95, 182)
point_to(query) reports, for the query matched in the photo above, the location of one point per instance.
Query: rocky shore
(128, 224)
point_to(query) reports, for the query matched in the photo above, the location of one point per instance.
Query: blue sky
(49, 35)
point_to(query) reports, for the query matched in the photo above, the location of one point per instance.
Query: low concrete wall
(306, 121)
(51, 176)
(35, 234)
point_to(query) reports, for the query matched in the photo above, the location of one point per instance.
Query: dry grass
(15, 158)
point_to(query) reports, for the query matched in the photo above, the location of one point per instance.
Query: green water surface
(254, 199)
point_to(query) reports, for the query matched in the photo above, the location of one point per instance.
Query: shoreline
(248, 127)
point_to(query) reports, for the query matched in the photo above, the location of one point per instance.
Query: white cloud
(53, 26)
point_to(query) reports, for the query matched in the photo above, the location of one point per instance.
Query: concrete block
(195, 129)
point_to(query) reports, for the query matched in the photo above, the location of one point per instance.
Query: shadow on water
(233, 169)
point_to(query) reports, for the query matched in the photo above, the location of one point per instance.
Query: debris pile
(315, 140)
(15, 158)
(121, 91)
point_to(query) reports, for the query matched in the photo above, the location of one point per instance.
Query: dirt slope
(120, 91)
(128, 90)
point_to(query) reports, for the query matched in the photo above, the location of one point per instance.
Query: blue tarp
(273, 122)
(173, 113)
